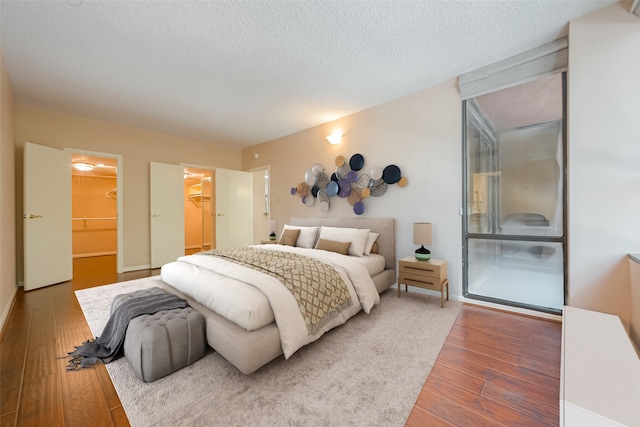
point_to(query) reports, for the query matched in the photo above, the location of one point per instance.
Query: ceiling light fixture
(83, 167)
(335, 138)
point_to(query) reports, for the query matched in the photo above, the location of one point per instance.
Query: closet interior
(198, 209)
(94, 208)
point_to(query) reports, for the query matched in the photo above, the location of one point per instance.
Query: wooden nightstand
(430, 275)
(268, 242)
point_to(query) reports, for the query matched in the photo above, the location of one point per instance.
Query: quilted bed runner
(317, 287)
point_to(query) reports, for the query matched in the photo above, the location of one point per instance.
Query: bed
(250, 338)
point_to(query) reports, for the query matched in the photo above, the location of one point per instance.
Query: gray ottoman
(158, 344)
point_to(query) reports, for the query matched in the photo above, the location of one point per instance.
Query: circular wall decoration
(356, 162)
(309, 178)
(345, 182)
(332, 188)
(303, 189)
(376, 173)
(391, 174)
(378, 188)
(344, 188)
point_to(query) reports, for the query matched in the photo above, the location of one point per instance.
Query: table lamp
(273, 226)
(422, 236)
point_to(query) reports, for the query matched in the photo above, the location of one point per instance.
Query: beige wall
(137, 148)
(604, 154)
(7, 196)
(420, 133)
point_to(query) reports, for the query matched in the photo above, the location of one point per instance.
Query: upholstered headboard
(385, 226)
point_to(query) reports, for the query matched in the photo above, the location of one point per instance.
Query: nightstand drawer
(434, 268)
(422, 278)
(432, 284)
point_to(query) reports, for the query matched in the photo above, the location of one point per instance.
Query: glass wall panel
(514, 194)
(524, 273)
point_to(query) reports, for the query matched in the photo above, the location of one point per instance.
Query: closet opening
(94, 217)
(199, 232)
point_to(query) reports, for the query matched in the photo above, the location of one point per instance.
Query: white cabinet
(600, 372)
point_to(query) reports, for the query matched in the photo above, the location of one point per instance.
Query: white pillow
(307, 236)
(370, 241)
(357, 237)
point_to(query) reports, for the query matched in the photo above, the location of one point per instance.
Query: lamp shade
(422, 233)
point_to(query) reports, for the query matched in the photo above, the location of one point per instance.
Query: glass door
(514, 216)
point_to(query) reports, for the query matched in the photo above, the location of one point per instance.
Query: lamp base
(423, 254)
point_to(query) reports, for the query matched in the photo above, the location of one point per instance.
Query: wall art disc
(356, 162)
(323, 196)
(334, 177)
(314, 190)
(317, 168)
(378, 188)
(403, 182)
(358, 208)
(344, 188)
(293, 191)
(342, 171)
(376, 173)
(363, 181)
(309, 178)
(365, 192)
(303, 189)
(324, 206)
(309, 200)
(322, 179)
(339, 161)
(352, 176)
(332, 188)
(391, 174)
(354, 197)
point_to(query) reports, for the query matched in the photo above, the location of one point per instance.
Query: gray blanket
(108, 344)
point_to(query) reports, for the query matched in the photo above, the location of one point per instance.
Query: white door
(47, 216)
(234, 208)
(167, 213)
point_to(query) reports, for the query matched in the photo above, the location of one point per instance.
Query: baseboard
(517, 310)
(136, 268)
(7, 312)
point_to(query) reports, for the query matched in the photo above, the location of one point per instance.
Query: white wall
(604, 158)
(420, 133)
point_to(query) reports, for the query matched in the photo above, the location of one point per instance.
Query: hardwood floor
(45, 324)
(496, 368)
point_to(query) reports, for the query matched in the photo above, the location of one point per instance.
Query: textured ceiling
(246, 72)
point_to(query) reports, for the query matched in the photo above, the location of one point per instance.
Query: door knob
(32, 216)
(155, 215)
(219, 214)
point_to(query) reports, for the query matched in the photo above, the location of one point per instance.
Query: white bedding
(252, 299)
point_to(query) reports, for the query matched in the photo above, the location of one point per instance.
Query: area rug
(368, 371)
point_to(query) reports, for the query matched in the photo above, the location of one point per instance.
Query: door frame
(119, 200)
